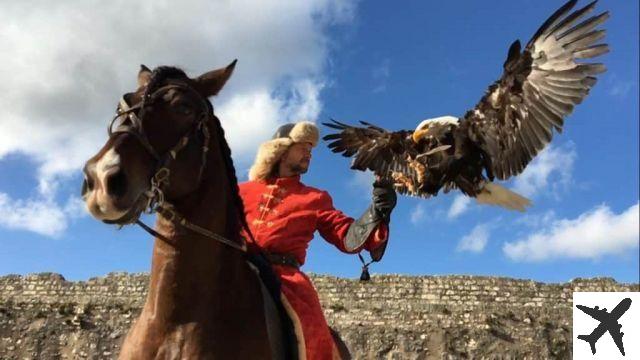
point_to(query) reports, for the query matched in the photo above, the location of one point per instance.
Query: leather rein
(155, 195)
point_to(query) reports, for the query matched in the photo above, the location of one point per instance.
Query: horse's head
(158, 144)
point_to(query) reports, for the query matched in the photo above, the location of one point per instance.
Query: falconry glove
(384, 199)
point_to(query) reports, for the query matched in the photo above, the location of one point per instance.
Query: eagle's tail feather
(494, 194)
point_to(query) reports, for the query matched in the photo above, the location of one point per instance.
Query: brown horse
(166, 151)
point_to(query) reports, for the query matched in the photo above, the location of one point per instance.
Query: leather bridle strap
(160, 178)
(172, 216)
(135, 130)
(155, 195)
(153, 232)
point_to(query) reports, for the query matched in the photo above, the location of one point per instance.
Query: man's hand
(384, 198)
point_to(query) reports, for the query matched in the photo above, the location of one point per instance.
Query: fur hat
(271, 151)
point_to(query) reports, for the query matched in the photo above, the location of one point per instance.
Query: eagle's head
(423, 128)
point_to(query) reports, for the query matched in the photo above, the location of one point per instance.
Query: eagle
(513, 121)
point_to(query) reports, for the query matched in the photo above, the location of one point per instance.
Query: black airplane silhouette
(608, 322)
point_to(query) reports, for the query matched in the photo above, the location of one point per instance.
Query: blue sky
(390, 65)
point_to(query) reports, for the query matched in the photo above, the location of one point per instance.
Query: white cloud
(42, 216)
(380, 74)
(418, 214)
(70, 61)
(75, 208)
(459, 205)
(596, 233)
(550, 171)
(476, 240)
(362, 183)
(537, 220)
(619, 87)
(252, 118)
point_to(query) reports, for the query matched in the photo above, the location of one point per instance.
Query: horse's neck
(192, 271)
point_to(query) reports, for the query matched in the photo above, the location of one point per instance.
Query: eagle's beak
(419, 134)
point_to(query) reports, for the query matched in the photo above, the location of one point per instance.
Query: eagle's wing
(538, 89)
(390, 155)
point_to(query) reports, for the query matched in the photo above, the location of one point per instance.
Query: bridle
(155, 195)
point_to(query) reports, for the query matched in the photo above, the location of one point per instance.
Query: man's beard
(298, 169)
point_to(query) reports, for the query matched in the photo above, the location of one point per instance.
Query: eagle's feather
(514, 120)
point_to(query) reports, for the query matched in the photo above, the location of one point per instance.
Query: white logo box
(584, 324)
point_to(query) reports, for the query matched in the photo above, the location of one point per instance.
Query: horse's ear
(144, 75)
(210, 83)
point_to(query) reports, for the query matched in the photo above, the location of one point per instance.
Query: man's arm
(369, 232)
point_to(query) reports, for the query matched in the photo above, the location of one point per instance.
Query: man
(283, 214)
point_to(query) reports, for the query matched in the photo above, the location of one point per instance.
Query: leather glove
(384, 199)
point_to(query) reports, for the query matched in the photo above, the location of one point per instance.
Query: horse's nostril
(87, 184)
(117, 184)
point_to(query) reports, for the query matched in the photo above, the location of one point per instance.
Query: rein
(193, 227)
(155, 195)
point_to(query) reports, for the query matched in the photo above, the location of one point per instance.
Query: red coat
(283, 215)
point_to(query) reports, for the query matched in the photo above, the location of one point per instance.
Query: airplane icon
(608, 322)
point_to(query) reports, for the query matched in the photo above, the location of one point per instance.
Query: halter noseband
(155, 195)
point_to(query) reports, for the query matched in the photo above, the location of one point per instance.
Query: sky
(65, 64)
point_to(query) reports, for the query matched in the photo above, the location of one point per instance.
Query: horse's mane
(158, 76)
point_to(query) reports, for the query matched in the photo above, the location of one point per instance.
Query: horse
(167, 153)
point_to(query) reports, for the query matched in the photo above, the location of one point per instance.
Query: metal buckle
(161, 176)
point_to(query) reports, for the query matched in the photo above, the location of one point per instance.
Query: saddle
(262, 264)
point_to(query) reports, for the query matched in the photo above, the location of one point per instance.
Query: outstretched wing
(539, 87)
(388, 154)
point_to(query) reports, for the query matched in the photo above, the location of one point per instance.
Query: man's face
(296, 160)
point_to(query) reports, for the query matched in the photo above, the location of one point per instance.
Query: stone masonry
(43, 316)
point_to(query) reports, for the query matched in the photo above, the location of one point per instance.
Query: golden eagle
(510, 125)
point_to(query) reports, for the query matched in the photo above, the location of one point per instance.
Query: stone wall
(392, 317)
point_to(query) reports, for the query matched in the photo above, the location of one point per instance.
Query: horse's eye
(183, 109)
